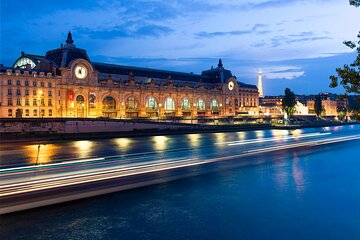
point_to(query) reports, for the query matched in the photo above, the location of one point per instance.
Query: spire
(220, 63)
(69, 39)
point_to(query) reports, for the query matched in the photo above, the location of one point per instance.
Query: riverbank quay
(15, 130)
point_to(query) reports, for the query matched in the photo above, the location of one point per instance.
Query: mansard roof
(244, 85)
(148, 72)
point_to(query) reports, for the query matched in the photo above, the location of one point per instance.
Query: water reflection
(220, 137)
(241, 135)
(84, 148)
(194, 140)
(41, 153)
(160, 142)
(259, 133)
(123, 143)
(277, 132)
(298, 174)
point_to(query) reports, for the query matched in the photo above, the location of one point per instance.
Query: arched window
(169, 104)
(214, 105)
(80, 99)
(185, 105)
(22, 62)
(131, 103)
(200, 104)
(109, 103)
(92, 100)
(151, 103)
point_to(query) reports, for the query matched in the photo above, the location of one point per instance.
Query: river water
(297, 194)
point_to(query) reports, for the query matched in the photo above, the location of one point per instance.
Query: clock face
(231, 85)
(80, 71)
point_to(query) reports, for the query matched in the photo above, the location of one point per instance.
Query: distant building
(66, 83)
(270, 106)
(329, 103)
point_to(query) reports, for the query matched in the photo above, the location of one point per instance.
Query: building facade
(65, 83)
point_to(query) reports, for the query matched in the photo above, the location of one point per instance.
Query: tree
(318, 108)
(349, 75)
(289, 102)
(355, 3)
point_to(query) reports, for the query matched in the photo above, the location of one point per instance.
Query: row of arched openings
(109, 103)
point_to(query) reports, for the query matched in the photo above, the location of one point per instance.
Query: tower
(261, 94)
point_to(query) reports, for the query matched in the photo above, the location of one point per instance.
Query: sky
(295, 43)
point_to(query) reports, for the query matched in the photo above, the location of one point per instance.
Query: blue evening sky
(296, 43)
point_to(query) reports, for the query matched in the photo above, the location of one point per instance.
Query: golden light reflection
(194, 140)
(259, 133)
(220, 137)
(123, 143)
(277, 132)
(160, 142)
(41, 155)
(241, 135)
(84, 148)
(296, 132)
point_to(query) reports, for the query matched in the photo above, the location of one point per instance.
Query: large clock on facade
(80, 71)
(231, 85)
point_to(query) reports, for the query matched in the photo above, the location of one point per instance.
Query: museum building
(66, 83)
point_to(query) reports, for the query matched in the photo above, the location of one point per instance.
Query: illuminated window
(50, 112)
(214, 105)
(200, 104)
(131, 103)
(169, 104)
(109, 103)
(185, 105)
(151, 103)
(92, 100)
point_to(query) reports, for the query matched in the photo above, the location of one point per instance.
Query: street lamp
(38, 152)
(159, 112)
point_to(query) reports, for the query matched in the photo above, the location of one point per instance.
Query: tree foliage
(289, 102)
(318, 108)
(355, 3)
(349, 75)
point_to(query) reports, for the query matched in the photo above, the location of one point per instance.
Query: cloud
(296, 38)
(254, 29)
(283, 72)
(128, 30)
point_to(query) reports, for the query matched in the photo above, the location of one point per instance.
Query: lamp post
(38, 152)
(159, 112)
